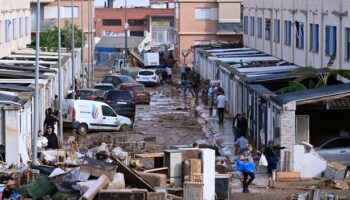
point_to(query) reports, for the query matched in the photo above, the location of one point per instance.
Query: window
(111, 22)
(26, 26)
(277, 31)
(1, 32)
(137, 33)
(206, 13)
(299, 42)
(331, 40)
(245, 24)
(7, 30)
(252, 26)
(14, 31)
(67, 12)
(314, 38)
(259, 27)
(137, 22)
(107, 111)
(267, 29)
(347, 43)
(20, 24)
(287, 33)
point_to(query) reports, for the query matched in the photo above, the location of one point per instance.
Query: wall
(14, 9)
(132, 13)
(321, 12)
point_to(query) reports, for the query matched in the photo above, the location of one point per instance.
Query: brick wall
(288, 134)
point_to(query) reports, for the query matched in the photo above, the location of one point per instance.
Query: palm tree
(322, 76)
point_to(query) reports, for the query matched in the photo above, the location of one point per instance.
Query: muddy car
(138, 91)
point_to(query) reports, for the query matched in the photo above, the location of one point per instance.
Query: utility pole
(82, 44)
(36, 88)
(89, 43)
(126, 26)
(60, 75)
(73, 54)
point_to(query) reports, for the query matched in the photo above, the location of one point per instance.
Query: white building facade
(14, 25)
(304, 32)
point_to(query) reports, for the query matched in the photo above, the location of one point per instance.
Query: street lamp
(126, 28)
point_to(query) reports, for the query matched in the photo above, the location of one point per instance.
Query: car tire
(82, 129)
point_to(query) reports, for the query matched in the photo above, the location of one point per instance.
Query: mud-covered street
(168, 120)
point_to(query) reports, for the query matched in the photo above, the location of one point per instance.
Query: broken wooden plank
(287, 175)
(97, 168)
(131, 177)
(163, 170)
(149, 155)
(101, 183)
(156, 180)
(156, 196)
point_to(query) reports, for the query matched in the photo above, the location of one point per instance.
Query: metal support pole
(82, 45)
(60, 75)
(89, 44)
(126, 36)
(36, 87)
(73, 53)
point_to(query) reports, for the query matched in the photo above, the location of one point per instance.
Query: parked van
(85, 115)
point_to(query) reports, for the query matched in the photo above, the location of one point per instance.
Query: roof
(299, 96)
(261, 90)
(11, 98)
(19, 75)
(119, 42)
(15, 87)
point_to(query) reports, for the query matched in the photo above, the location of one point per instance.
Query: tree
(322, 76)
(49, 41)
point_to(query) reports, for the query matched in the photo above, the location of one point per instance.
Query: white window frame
(206, 14)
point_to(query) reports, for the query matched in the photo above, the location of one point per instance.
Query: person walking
(169, 74)
(51, 138)
(236, 124)
(242, 143)
(272, 162)
(243, 125)
(221, 99)
(183, 73)
(219, 89)
(50, 119)
(211, 94)
(186, 85)
(55, 105)
(247, 156)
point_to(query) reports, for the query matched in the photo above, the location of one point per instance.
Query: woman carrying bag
(272, 162)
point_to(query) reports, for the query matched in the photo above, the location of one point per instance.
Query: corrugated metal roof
(11, 98)
(309, 94)
(261, 90)
(17, 74)
(119, 42)
(15, 87)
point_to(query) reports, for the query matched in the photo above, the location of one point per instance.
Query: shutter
(327, 40)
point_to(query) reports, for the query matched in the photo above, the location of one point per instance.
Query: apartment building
(304, 32)
(203, 21)
(49, 16)
(14, 25)
(157, 21)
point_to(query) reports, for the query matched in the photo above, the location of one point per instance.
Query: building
(304, 32)
(49, 17)
(158, 22)
(14, 25)
(200, 22)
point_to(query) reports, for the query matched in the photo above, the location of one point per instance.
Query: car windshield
(118, 95)
(85, 94)
(338, 143)
(146, 73)
(103, 87)
(127, 79)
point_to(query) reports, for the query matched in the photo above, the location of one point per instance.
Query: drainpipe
(323, 13)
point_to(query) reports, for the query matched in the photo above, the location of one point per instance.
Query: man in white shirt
(221, 99)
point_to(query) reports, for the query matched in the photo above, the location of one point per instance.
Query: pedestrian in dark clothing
(236, 125)
(243, 125)
(51, 138)
(50, 119)
(272, 161)
(219, 89)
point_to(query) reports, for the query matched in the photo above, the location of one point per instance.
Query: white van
(84, 115)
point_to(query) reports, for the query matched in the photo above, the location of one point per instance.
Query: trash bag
(245, 166)
(263, 161)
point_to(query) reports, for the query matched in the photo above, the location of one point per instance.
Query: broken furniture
(158, 158)
(193, 190)
(123, 194)
(222, 183)
(173, 161)
(335, 171)
(97, 168)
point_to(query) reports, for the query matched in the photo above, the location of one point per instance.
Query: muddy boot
(273, 184)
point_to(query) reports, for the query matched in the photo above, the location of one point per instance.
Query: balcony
(230, 28)
(45, 25)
